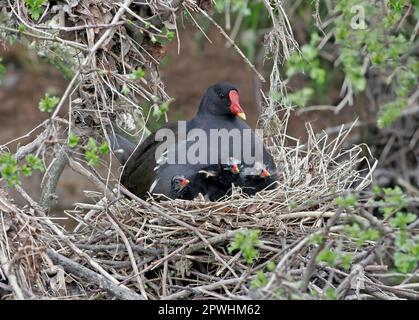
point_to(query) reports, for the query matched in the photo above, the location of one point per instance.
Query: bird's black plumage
(258, 177)
(219, 109)
(220, 178)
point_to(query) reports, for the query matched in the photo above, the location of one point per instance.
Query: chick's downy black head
(221, 99)
(179, 186)
(233, 165)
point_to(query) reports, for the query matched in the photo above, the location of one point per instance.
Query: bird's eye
(220, 94)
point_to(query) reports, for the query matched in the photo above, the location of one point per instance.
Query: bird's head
(233, 165)
(222, 99)
(258, 170)
(179, 183)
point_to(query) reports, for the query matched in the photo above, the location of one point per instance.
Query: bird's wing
(139, 174)
(121, 147)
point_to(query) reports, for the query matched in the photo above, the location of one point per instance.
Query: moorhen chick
(257, 178)
(219, 178)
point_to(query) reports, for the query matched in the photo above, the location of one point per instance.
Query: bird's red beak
(265, 173)
(235, 169)
(184, 182)
(235, 107)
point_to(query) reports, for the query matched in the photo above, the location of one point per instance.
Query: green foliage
(48, 103)
(21, 27)
(401, 220)
(10, 170)
(271, 266)
(2, 69)
(393, 200)
(246, 241)
(374, 42)
(159, 111)
(405, 263)
(34, 163)
(360, 234)
(170, 35)
(316, 239)
(327, 256)
(346, 260)
(125, 90)
(73, 140)
(91, 153)
(331, 294)
(406, 257)
(299, 98)
(308, 62)
(393, 204)
(390, 112)
(260, 281)
(333, 258)
(348, 201)
(137, 74)
(35, 8)
(104, 148)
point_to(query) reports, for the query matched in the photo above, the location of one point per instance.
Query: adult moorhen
(219, 109)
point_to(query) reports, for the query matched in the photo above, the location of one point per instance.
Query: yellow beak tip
(242, 115)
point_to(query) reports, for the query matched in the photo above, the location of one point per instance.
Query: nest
(136, 249)
(259, 247)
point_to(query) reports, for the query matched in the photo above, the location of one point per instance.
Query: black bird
(180, 188)
(219, 178)
(258, 178)
(219, 109)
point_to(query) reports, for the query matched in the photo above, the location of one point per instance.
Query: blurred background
(330, 81)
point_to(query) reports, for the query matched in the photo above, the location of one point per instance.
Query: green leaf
(91, 152)
(415, 251)
(401, 220)
(73, 140)
(26, 171)
(125, 90)
(271, 266)
(245, 241)
(390, 112)
(170, 35)
(316, 238)
(318, 75)
(35, 8)
(347, 261)
(3, 69)
(260, 281)
(327, 256)
(405, 263)
(91, 145)
(48, 103)
(35, 163)
(299, 98)
(331, 294)
(22, 27)
(348, 201)
(104, 148)
(137, 74)
(9, 169)
(92, 158)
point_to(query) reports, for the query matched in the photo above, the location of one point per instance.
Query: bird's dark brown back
(139, 174)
